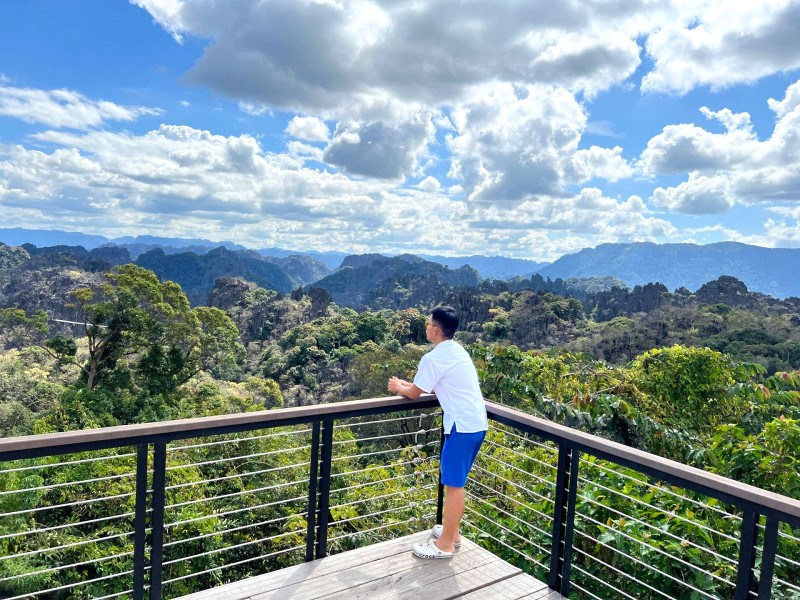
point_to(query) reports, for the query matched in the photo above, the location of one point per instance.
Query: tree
(135, 316)
(17, 329)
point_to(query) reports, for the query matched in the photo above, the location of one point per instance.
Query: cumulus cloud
(698, 195)
(178, 180)
(719, 44)
(686, 147)
(730, 167)
(309, 55)
(513, 142)
(380, 149)
(597, 162)
(430, 184)
(311, 129)
(589, 213)
(65, 108)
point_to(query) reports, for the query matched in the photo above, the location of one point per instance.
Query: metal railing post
(745, 576)
(140, 522)
(325, 486)
(440, 487)
(564, 519)
(157, 535)
(768, 559)
(311, 518)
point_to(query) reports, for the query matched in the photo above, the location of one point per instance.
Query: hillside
(196, 273)
(773, 271)
(398, 282)
(490, 267)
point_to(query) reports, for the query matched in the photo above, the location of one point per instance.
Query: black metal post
(768, 559)
(157, 536)
(325, 487)
(440, 487)
(745, 577)
(312, 493)
(564, 519)
(140, 522)
(566, 563)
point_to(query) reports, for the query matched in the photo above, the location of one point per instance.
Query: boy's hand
(404, 388)
(396, 385)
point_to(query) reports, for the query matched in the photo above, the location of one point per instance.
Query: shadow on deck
(390, 570)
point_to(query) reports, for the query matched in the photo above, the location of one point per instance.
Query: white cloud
(512, 143)
(699, 195)
(167, 13)
(315, 56)
(430, 184)
(311, 129)
(185, 103)
(589, 213)
(380, 149)
(730, 167)
(254, 110)
(178, 180)
(719, 44)
(686, 147)
(65, 108)
(597, 162)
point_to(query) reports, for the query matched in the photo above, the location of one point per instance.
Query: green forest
(709, 378)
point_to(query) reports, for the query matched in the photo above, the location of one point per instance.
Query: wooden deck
(390, 570)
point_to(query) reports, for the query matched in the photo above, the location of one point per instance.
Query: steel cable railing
(233, 503)
(633, 525)
(67, 525)
(367, 491)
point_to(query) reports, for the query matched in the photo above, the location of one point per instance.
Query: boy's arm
(404, 388)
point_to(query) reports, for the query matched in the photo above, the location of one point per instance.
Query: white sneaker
(437, 533)
(429, 550)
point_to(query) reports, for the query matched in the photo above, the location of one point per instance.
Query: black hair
(447, 320)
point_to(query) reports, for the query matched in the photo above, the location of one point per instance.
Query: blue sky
(528, 129)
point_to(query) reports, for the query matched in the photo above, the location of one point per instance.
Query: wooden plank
(545, 594)
(457, 585)
(323, 567)
(389, 570)
(514, 588)
(407, 577)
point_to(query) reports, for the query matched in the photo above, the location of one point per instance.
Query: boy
(448, 370)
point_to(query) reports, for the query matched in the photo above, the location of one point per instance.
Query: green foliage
(17, 329)
(687, 387)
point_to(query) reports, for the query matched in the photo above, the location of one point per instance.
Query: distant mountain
(136, 245)
(490, 267)
(773, 271)
(373, 280)
(332, 260)
(174, 242)
(102, 258)
(50, 237)
(196, 273)
(301, 268)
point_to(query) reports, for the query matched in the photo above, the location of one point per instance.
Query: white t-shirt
(448, 371)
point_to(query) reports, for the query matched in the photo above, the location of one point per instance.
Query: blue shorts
(458, 454)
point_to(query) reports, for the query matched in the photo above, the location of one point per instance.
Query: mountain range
(773, 271)
(490, 267)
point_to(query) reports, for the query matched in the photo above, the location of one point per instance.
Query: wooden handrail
(122, 433)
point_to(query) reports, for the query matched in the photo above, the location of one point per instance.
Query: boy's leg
(453, 511)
